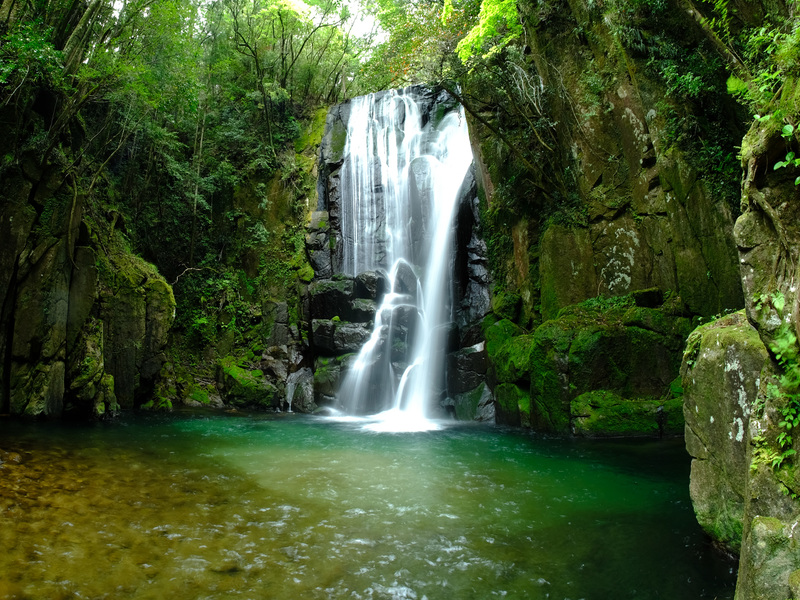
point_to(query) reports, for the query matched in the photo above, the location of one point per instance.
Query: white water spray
(400, 184)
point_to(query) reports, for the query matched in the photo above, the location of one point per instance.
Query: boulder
(371, 285)
(602, 413)
(300, 391)
(721, 370)
(330, 298)
(628, 351)
(474, 405)
(241, 386)
(466, 369)
(318, 244)
(349, 337)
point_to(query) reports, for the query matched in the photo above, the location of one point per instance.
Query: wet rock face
(72, 336)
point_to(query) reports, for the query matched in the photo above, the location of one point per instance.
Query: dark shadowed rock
(371, 285)
(466, 369)
(330, 298)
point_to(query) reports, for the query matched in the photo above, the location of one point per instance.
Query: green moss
(507, 305)
(499, 333)
(157, 403)
(605, 413)
(466, 405)
(509, 397)
(312, 134)
(511, 360)
(338, 140)
(726, 524)
(199, 394)
(305, 273)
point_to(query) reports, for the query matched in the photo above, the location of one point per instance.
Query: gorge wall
(84, 322)
(627, 220)
(739, 374)
(613, 227)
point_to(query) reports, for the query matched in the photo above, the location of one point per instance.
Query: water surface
(208, 505)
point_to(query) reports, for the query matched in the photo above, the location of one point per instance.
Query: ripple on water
(139, 511)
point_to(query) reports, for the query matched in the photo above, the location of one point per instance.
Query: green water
(222, 506)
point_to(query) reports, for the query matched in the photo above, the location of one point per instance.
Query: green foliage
(785, 394)
(498, 25)
(790, 161)
(27, 54)
(603, 304)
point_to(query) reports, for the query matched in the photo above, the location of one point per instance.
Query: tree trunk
(198, 156)
(78, 40)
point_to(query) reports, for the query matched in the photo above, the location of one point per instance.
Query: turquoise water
(209, 505)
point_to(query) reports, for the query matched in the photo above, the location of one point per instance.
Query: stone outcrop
(721, 374)
(602, 368)
(84, 323)
(633, 210)
(744, 483)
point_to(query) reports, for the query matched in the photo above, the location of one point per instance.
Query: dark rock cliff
(84, 322)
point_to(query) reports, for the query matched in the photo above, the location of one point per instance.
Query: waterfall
(400, 184)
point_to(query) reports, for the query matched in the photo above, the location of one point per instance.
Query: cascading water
(400, 184)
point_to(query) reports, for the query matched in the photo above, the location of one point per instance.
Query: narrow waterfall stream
(400, 184)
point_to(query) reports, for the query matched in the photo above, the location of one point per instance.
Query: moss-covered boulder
(512, 405)
(241, 386)
(631, 353)
(770, 569)
(602, 413)
(721, 370)
(138, 309)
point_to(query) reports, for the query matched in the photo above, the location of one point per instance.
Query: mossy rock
(245, 387)
(507, 305)
(600, 344)
(512, 405)
(327, 376)
(602, 413)
(512, 360)
(198, 394)
(499, 333)
(466, 405)
(311, 135)
(305, 273)
(770, 558)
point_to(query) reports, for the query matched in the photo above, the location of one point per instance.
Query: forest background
(174, 123)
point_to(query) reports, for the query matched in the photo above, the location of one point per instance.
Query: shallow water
(200, 505)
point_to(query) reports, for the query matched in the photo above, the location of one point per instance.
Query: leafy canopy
(498, 25)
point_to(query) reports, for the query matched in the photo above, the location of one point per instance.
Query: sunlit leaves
(498, 25)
